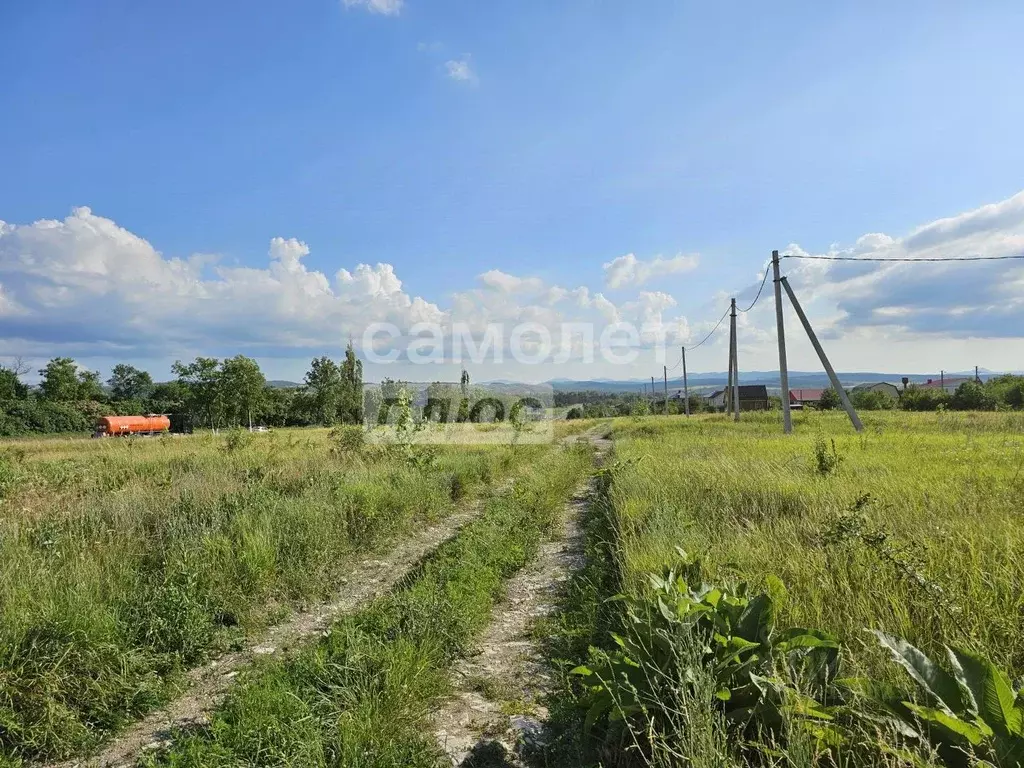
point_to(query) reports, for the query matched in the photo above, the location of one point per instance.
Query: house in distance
(799, 398)
(753, 397)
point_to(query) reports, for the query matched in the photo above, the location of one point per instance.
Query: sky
(271, 179)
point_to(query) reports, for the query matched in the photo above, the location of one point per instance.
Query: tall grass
(913, 527)
(917, 529)
(124, 562)
(362, 697)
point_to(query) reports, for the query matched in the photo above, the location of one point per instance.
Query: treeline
(1004, 392)
(603, 405)
(217, 394)
(209, 392)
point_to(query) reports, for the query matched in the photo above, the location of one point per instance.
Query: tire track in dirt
(496, 708)
(207, 686)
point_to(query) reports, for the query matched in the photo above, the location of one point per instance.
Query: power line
(712, 331)
(883, 258)
(763, 281)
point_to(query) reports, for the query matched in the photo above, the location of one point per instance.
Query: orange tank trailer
(123, 426)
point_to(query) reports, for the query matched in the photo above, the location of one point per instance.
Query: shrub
(236, 440)
(829, 400)
(874, 401)
(917, 398)
(972, 396)
(826, 456)
(1007, 390)
(348, 439)
(575, 413)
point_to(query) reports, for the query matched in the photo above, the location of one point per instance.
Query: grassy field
(915, 527)
(362, 697)
(123, 562)
(747, 567)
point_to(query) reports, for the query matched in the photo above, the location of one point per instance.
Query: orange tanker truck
(125, 426)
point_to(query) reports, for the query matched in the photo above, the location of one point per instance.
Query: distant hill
(797, 379)
(283, 384)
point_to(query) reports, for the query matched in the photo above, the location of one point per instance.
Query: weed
(826, 456)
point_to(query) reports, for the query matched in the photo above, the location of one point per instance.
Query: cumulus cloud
(972, 299)
(86, 280)
(460, 70)
(86, 287)
(383, 7)
(629, 271)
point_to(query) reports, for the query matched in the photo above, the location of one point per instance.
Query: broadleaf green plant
(681, 630)
(974, 714)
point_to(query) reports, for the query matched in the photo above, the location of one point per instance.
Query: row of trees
(213, 393)
(232, 392)
(998, 393)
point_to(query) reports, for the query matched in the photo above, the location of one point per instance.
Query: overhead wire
(695, 346)
(763, 281)
(901, 259)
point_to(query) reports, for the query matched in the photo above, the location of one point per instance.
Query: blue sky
(541, 140)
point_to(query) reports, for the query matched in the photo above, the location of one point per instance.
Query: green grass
(362, 696)
(124, 562)
(937, 554)
(916, 530)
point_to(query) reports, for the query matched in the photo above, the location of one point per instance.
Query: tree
(323, 380)
(392, 393)
(202, 380)
(915, 398)
(1007, 390)
(243, 384)
(371, 405)
(972, 396)
(127, 382)
(350, 398)
(62, 380)
(441, 397)
(463, 414)
(11, 385)
(829, 400)
(168, 396)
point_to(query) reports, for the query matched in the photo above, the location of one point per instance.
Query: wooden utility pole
(977, 378)
(686, 389)
(727, 395)
(735, 367)
(942, 380)
(787, 418)
(664, 375)
(847, 405)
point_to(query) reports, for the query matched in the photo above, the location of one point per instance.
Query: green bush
(972, 396)
(917, 398)
(874, 401)
(829, 400)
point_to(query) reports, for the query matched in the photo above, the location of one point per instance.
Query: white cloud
(87, 281)
(629, 271)
(979, 299)
(383, 7)
(460, 70)
(86, 287)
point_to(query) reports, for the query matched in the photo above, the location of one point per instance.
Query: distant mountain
(283, 384)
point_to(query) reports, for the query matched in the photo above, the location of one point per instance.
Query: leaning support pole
(847, 405)
(735, 367)
(686, 389)
(787, 418)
